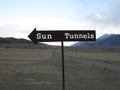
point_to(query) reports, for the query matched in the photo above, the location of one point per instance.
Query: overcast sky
(19, 17)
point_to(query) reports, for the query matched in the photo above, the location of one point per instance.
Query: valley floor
(40, 69)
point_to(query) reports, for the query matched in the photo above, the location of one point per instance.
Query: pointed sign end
(32, 36)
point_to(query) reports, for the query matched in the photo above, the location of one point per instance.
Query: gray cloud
(110, 16)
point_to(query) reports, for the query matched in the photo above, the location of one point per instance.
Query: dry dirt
(40, 69)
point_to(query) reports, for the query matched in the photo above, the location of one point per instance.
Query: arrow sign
(67, 35)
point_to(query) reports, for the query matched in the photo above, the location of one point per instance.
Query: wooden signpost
(62, 35)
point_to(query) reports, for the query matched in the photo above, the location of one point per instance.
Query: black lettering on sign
(78, 36)
(44, 36)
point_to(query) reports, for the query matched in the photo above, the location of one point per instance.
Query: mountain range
(106, 40)
(11, 42)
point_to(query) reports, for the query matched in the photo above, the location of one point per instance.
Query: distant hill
(11, 42)
(107, 40)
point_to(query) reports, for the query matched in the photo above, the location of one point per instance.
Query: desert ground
(40, 69)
